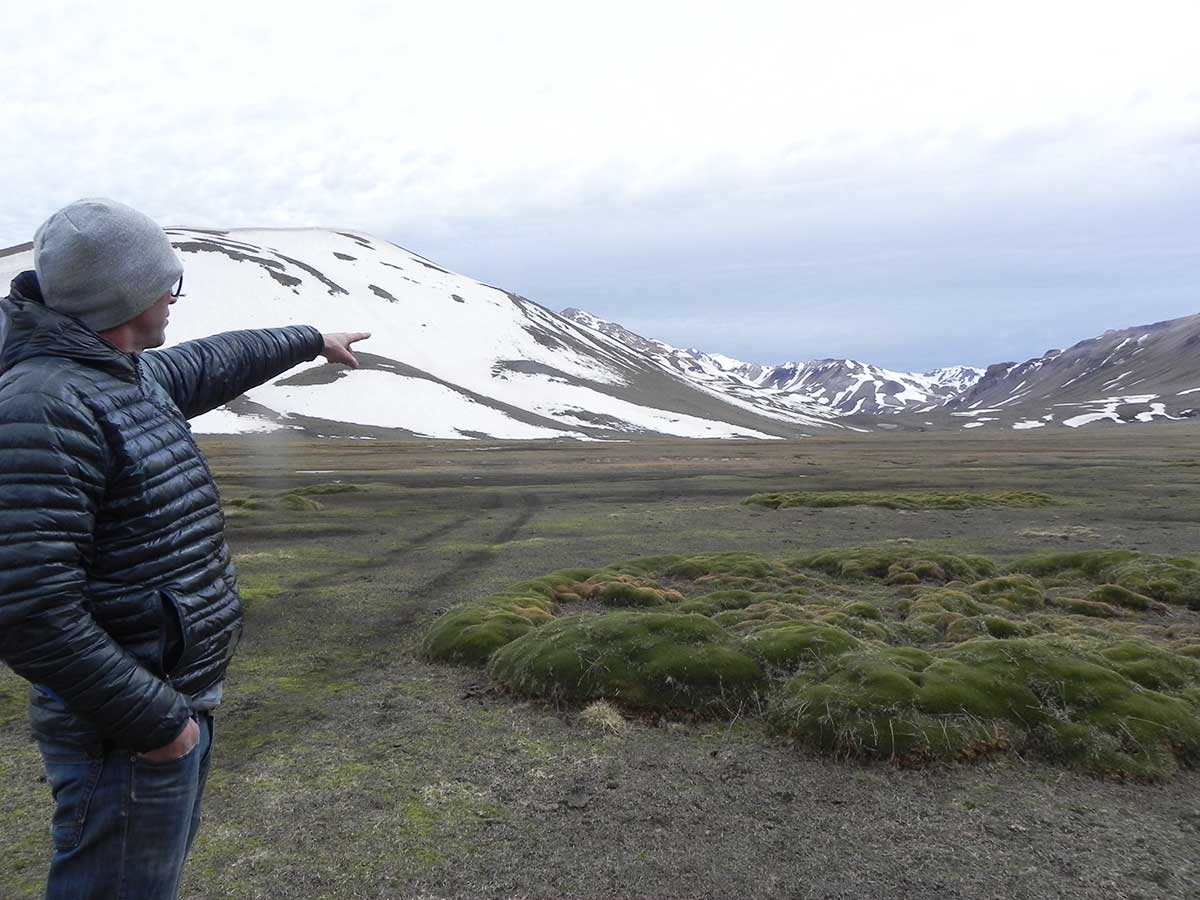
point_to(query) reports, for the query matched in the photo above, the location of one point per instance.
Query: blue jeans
(123, 826)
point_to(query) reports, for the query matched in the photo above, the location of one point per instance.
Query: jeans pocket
(159, 785)
(73, 777)
(141, 760)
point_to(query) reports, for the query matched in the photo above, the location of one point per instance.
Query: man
(118, 600)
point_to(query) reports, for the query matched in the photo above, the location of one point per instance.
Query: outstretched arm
(202, 375)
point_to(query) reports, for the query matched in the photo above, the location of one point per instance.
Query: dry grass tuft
(603, 716)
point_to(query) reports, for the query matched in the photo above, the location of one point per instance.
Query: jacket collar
(35, 329)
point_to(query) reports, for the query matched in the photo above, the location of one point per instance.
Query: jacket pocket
(174, 632)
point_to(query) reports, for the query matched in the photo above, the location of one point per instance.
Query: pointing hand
(337, 347)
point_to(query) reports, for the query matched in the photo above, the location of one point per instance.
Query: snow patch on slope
(224, 421)
(419, 405)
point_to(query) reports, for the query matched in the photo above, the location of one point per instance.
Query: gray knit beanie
(103, 262)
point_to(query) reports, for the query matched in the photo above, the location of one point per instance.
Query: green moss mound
(862, 609)
(297, 503)
(617, 594)
(1038, 695)
(1019, 593)
(1174, 581)
(943, 600)
(745, 565)
(1167, 579)
(473, 634)
(644, 660)
(1089, 608)
(1092, 564)
(565, 583)
(644, 566)
(332, 487)
(1153, 667)
(878, 562)
(768, 612)
(1115, 595)
(469, 635)
(915, 501)
(968, 628)
(618, 590)
(901, 651)
(789, 646)
(720, 601)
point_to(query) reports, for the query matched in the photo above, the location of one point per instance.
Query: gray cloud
(830, 203)
(914, 269)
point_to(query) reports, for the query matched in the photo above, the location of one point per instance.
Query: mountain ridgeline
(451, 357)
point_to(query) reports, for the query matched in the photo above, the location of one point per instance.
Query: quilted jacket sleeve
(53, 464)
(202, 375)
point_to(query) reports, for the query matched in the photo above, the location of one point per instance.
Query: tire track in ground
(375, 639)
(490, 502)
(413, 603)
(265, 618)
(427, 537)
(464, 569)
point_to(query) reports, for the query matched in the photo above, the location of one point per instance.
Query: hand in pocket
(185, 742)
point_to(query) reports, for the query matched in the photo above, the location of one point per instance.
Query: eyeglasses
(177, 291)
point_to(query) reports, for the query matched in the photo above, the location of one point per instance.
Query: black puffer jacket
(117, 594)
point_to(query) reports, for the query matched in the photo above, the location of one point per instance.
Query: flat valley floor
(347, 767)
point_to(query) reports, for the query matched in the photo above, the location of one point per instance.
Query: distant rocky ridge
(845, 386)
(1142, 374)
(454, 358)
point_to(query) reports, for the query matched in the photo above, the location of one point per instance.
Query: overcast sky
(913, 184)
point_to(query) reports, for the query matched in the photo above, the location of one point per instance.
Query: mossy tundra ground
(348, 764)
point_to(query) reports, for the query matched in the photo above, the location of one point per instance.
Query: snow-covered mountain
(1140, 374)
(693, 364)
(856, 387)
(449, 357)
(841, 386)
